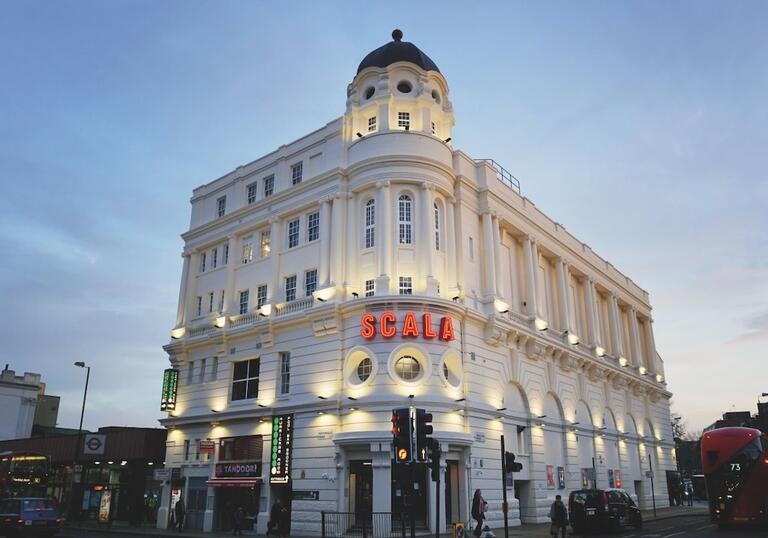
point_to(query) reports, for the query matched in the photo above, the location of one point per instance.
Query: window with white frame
(210, 302)
(310, 282)
(201, 372)
(285, 372)
(406, 285)
(244, 301)
(269, 186)
(247, 256)
(290, 288)
(293, 233)
(404, 120)
(221, 301)
(405, 219)
(251, 191)
(370, 223)
(221, 206)
(203, 259)
(261, 295)
(214, 368)
(371, 124)
(266, 243)
(190, 372)
(225, 254)
(245, 379)
(370, 288)
(437, 226)
(313, 226)
(214, 258)
(297, 171)
(186, 449)
(407, 368)
(199, 305)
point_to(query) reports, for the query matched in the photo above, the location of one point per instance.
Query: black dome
(397, 51)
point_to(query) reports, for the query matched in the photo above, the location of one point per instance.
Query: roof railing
(503, 175)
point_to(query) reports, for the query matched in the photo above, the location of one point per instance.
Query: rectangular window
(269, 186)
(221, 301)
(261, 296)
(293, 233)
(199, 305)
(266, 243)
(404, 120)
(221, 206)
(405, 217)
(247, 249)
(210, 302)
(214, 368)
(313, 226)
(285, 373)
(225, 254)
(297, 171)
(197, 449)
(370, 224)
(406, 285)
(310, 282)
(244, 302)
(242, 448)
(251, 190)
(437, 227)
(186, 449)
(201, 373)
(290, 288)
(245, 380)
(203, 258)
(214, 258)
(371, 124)
(190, 372)
(370, 288)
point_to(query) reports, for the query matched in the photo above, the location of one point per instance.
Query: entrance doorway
(523, 496)
(360, 488)
(197, 492)
(409, 492)
(452, 511)
(229, 499)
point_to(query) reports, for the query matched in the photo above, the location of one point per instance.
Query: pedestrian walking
(277, 523)
(479, 507)
(237, 523)
(179, 512)
(558, 515)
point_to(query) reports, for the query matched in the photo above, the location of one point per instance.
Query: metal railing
(364, 525)
(503, 175)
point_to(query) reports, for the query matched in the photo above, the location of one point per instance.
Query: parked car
(29, 516)
(602, 509)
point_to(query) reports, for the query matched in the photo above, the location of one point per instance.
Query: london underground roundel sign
(387, 326)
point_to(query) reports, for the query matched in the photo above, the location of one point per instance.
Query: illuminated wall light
(623, 361)
(573, 339)
(178, 333)
(541, 324)
(659, 378)
(500, 306)
(265, 310)
(220, 321)
(642, 370)
(600, 351)
(325, 294)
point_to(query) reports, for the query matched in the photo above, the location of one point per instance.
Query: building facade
(369, 266)
(24, 404)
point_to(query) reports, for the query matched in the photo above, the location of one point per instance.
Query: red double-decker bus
(735, 465)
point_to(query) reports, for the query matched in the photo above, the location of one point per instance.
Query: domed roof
(397, 51)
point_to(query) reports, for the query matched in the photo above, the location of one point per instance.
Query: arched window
(370, 224)
(405, 219)
(437, 227)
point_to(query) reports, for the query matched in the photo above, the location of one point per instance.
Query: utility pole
(653, 494)
(504, 506)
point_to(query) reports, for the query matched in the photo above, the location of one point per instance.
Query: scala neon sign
(386, 326)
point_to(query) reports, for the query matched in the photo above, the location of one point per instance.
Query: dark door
(452, 492)
(409, 492)
(196, 499)
(361, 490)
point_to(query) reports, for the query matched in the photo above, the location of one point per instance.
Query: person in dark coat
(179, 512)
(238, 519)
(478, 511)
(558, 515)
(277, 520)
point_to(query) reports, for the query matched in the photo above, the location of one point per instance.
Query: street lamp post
(79, 364)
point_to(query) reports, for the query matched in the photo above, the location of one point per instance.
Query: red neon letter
(387, 324)
(409, 325)
(429, 332)
(446, 329)
(368, 326)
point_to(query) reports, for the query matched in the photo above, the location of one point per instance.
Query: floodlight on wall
(623, 361)
(573, 339)
(460, 399)
(456, 298)
(265, 310)
(178, 332)
(322, 397)
(355, 295)
(501, 409)
(659, 378)
(220, 321)
(359, 134)
(642, 370)
(352, 398)
(324, 294)
(541, 324)
(599, 351)
(448, 139)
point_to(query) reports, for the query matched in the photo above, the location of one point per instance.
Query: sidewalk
(542, 529)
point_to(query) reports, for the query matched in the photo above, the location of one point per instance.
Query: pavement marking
(673, 534)
(704, 527)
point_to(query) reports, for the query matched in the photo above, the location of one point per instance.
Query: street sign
(94, 444)
(649, 474)
(78, 468)
(176, 473)
(207, 447)
(162, 474)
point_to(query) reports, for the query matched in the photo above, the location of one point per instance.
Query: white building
(376, 212)
(18, 401)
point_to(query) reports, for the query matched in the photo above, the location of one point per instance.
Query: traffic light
(423, 431)
(401, 434)
(509, 461)
(434, 453)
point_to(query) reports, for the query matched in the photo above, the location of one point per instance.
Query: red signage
(387, 326)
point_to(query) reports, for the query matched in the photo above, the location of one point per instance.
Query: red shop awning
(234, 482)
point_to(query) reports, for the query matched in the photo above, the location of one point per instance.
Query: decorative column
(276, 247)
(183, 290)
(426, 120)
(488, 255)
(194, 267)
(562, 295)
(324, 270)
(529, 255)
(497, 271)
(650, 343)
(232, 261)
(426, 238)
(593, 319)
(382, 481)
(383, 119)
(451, 259)
(634, 334)
(513, 274)
(338, 216)
(384, 234)
(354, 242)
(616, 347)
(458, 242)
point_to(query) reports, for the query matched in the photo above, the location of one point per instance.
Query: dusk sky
(641, 126)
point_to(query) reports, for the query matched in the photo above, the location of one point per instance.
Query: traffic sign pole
(504, 507)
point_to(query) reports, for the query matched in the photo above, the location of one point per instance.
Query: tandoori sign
(386, 325)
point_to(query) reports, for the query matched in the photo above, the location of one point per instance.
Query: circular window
(436, 96)
(446, 372)
(404, 86)
(364, 369)
(369, 92)
(453, 373)
(407, 368)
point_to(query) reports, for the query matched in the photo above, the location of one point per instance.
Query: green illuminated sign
(170, 385)
(280, 460)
